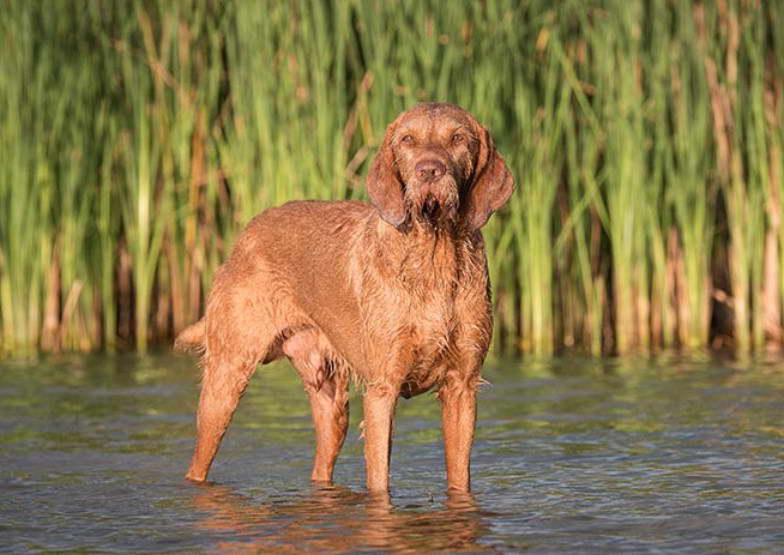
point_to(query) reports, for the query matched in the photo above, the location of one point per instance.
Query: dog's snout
(429, 170)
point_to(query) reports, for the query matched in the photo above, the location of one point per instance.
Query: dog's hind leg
(329, 406)
(326, 383)
(222, 386)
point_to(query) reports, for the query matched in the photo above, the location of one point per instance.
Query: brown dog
(394, 295)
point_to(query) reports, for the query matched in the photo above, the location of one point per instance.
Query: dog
(394, 295)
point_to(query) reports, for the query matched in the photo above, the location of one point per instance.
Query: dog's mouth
(433, 204)
(431, 209)
(436, 212)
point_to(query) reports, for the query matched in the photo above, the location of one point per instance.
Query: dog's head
(438, 165)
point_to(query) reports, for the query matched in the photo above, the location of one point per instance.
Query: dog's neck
(424, 256)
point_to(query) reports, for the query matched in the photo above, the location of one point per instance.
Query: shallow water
(571, 455)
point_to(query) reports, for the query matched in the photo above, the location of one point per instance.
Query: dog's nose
(429, 170)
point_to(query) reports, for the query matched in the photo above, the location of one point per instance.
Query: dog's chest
(409, 300)
(431, 327)
(427, 335)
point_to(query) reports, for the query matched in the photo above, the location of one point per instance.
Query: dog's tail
(191, 338)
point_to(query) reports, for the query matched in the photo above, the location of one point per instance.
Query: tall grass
(137, 138)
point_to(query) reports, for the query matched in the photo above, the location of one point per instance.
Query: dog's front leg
(379, 411)
(458, 415)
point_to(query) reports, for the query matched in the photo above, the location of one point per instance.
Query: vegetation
(138, 137)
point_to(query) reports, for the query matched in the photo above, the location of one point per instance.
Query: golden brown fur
(394, 295)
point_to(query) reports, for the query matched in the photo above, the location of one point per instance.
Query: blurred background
(137, 138)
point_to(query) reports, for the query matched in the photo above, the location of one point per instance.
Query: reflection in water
(334, 519)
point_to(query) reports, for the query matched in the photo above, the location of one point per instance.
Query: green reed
(137, 139)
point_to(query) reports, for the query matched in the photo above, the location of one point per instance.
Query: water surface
(570, 455)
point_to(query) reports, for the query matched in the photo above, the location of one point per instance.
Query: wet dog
(393, 294)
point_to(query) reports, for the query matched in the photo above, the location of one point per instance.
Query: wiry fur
(394, 295)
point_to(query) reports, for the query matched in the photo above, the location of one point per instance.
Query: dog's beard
(436, 208)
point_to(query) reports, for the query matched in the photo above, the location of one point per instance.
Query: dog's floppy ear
(492, 184)
(384, 185)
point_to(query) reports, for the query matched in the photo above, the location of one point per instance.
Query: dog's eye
(407, 139)
(457, 138)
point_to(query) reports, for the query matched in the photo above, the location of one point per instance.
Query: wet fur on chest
(408, 291)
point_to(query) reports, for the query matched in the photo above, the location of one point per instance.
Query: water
(571, 455)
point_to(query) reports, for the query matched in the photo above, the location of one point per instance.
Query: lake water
(571, 455)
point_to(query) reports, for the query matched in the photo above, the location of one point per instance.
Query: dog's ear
(384, 185)
(492, 184)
